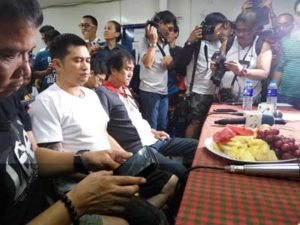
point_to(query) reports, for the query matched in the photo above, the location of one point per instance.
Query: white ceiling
(63, 3)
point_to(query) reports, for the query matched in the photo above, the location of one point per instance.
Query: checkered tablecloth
(218, 198)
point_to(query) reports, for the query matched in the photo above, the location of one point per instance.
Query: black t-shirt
(120, 125)
(21, 196)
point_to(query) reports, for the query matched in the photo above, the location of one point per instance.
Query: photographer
(248, 57)
(201, 44)
(155, 61)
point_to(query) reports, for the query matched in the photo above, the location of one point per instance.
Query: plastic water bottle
(272, 95)
(248, 96)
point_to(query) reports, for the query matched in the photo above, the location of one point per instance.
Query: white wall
(189, 13)
(192, 12)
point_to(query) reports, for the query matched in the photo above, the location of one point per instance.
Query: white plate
(209, 145)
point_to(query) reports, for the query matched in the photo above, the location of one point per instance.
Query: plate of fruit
(245, 145)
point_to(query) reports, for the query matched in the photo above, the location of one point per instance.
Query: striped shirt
(289, 66)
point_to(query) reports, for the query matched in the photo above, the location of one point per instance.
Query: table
(218, 198)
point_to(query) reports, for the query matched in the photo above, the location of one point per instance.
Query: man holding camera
(202, 43)
(155, 61)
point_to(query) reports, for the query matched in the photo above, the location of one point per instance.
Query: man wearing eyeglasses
(88, 26)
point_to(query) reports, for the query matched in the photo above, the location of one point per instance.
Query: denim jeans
(184, 147)
(295, 102)
(154, 109)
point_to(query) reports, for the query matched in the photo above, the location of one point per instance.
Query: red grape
(297, 153)
(278, 144)
(285, 147)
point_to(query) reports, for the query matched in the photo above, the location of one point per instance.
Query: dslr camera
(207, 29)
(219, 59)
(152, 23)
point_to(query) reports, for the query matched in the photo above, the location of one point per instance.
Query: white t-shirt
(78, 122)
(249, 55)
(202, 82)
(154, 79)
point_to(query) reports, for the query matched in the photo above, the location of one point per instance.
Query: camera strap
(196, 54)
(161, 50)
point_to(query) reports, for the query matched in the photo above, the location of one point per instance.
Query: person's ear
(57, 64)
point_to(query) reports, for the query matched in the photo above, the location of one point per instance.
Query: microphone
(265, 119)
(283, 170)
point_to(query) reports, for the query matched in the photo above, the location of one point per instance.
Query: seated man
(126, 124)
(69, 116)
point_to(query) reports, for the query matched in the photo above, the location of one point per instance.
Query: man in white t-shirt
(202, 87)
(155, 61)
(68, 115)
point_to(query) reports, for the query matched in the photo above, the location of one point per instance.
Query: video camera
(219, 59)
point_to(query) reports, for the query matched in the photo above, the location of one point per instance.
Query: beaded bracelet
(70, 207)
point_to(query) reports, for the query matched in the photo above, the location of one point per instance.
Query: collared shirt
(105, 52)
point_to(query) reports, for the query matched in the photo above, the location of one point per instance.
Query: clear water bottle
(248, 96)
(272, 95)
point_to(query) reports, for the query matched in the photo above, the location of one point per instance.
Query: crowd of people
(69, 117)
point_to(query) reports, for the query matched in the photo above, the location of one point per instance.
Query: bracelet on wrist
(71, 209)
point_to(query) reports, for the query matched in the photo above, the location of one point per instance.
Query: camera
(152, 23)
(219, 59)
(207, 29)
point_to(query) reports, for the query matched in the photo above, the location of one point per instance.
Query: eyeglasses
(85, 25)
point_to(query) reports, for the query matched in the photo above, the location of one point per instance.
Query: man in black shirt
(22, 194)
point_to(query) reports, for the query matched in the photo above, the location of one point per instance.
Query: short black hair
(93, 19)
(117, 27)
(50, 35)
(27, 11)
(117, 60)
(45, 28)
(59, 46)
(165, 16)
(250, 17)
(98, 66)
(215, 18)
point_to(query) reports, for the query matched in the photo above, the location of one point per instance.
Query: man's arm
(277, 77)
(152, 38)
(98, 193)
(263, 65)
(187, 51)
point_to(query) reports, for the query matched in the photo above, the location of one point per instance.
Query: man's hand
(49, 69)
(161, 135)
(105, 160)
(234, 66)
(195, 35)
(152, 34)
(167, 61)
(93, 48)
(102, 193)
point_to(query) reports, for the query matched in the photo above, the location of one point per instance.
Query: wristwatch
(152, 45)
(78, 163)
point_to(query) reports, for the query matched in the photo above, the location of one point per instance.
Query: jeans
(295, 102)
(184, 147)
(154, 109)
